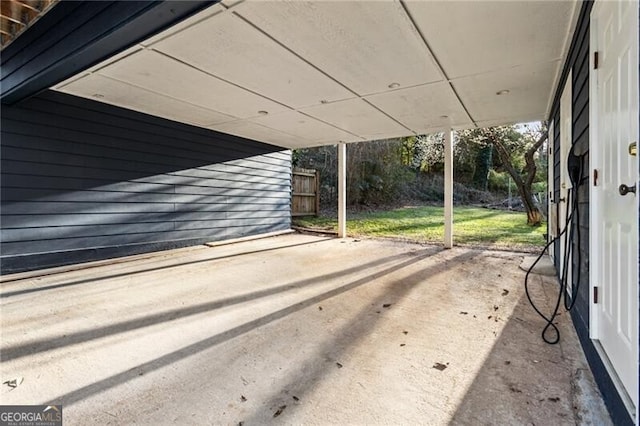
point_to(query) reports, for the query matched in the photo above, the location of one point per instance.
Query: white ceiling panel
(114, 58)
(161, 74)
(231, 49)
(198, 17)
(366, 45)
(529, 90)
(308, 128)
(311, 72)
(357, 116)
(472, 37)
(423, 108)
(249, 130)
(113, 92)
(231, 3)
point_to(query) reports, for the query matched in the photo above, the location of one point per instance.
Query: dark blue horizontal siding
(83, 181)
(554, 186)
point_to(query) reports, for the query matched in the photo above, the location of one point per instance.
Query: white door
(564, 206)
(614, 216)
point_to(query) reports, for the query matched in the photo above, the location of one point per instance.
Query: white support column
(448, 188)
(342, 190)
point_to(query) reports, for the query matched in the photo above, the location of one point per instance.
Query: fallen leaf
(439, 366)
(14, 383)
(279, 411)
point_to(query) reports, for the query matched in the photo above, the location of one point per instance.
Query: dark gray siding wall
(580, 147)
(555, 185)
(578, 62)
(81, 180)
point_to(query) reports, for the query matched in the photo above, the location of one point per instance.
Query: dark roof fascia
(583, 18)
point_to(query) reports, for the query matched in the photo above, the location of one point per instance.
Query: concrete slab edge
(249, 238)
(312, 231)
(119, 260)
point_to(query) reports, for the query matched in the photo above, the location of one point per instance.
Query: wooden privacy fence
(305, 195)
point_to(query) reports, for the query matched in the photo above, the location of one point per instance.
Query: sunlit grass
(472, 226)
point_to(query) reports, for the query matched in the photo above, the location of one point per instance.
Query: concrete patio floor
(295, 329)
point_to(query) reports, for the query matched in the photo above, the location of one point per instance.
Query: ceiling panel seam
(329, 124)
(221, 79)
(411, 86)
(388, 115)
(114, 59)
(220, 4)
(356, 94)
(284, 46)
(171, 34)
(164, 95)
(435, 59)
(527, 65)
(214, 127)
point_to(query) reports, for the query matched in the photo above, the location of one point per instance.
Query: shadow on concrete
(352, 333)
(117, 379)
(526, 381)
(157, 268)
(38, 346)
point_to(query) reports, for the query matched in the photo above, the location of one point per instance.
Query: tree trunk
(534, 216)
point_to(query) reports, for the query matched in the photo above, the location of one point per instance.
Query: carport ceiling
(307, 73)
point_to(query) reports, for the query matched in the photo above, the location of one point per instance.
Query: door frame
(595, 237)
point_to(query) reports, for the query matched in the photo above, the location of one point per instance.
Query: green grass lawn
(471, 226)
